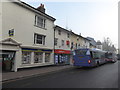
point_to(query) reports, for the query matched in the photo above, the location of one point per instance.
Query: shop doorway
(7, 58)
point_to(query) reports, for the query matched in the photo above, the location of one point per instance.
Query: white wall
(0, 21)
(61, 37)
(22, 21)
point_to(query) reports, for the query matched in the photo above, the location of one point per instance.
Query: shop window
(26, 57)
(47, 57)
(38, 57)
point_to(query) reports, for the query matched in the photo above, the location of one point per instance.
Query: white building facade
(62, 46)
(27, 36)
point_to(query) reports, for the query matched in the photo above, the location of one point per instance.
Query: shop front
(62, 56)
(36, 57)
(7, 59)
(9, 55)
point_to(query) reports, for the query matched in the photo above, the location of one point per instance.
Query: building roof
(99, 43)
(63, 29)
(60, 28)
(92, 41)
(27, 6)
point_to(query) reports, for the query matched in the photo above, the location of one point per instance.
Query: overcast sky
(93, 18)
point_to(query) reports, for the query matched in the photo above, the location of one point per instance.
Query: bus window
(81, 52)
(96, 55)
(88, 52)
(91, 54)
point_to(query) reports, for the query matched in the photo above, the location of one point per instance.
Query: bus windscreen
(81, 52)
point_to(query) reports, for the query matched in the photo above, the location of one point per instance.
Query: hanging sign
(11, 32)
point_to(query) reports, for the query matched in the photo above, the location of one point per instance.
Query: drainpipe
(54, 44)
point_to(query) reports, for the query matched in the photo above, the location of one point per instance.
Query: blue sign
(11, 32)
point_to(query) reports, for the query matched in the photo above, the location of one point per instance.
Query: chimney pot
(41, 8)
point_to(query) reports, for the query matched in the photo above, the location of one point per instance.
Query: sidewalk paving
(25, 73)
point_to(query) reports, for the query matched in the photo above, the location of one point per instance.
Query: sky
(92, 18)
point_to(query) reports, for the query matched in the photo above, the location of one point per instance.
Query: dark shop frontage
(62, 56)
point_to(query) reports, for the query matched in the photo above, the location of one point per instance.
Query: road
(105, 76)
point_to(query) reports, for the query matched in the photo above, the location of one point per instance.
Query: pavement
(30, 72)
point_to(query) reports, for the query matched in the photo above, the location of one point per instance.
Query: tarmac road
(105, 76)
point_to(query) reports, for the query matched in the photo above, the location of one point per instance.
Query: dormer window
(40, 21)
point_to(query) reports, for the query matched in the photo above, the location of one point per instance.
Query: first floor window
(76, 45)
(56, 41)
(72, 45)
(38, 57)
(26, 57)
(68, 35)
(39, 39)
(62, 42)
(47, 57)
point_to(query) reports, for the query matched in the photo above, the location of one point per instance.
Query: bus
(86, 57)
(111, 57)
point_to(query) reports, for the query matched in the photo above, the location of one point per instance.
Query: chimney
(80, 34)
(41, 8)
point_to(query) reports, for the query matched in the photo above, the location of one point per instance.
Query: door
(7, 60)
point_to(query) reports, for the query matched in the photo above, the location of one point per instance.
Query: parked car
(111, 57)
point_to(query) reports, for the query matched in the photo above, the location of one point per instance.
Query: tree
(107, 45)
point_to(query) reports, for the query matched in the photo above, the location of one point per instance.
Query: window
(76, 45)
(40, 21)
(56, 40)
(47, 57)
(72, 45)
(96, 55)
(59, 32)
(62, 42)
(39, 39)
(68, 35)
(26, 57)
(79, 46)
(38, 57)
(81, 52)
(68, 43)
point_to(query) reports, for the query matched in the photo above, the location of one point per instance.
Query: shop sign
(58, 51)
(67, 42)
(36, 50)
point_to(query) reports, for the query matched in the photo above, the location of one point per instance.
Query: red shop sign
(67, 42)
(59, 51)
